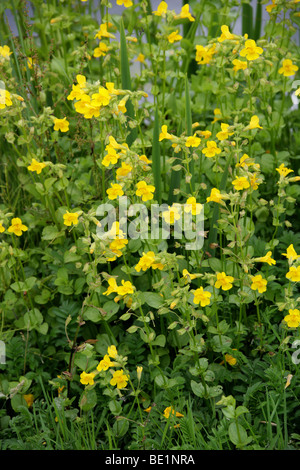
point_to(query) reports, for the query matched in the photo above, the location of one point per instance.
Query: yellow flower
(251, 51)
(2, 229)
(87, 379)
(105, 364)
(204, 54)
(226, 34)
(145, 191)
(111, 88)
(291, 254)
(244, 161)
(223, 134)
(241, 183)
(121, 106)
(205, 134)
(211, 149)
(146, 261)
(5, 51)
(101, 50)
(29, 399)
(102, 98)
(140, 58)
(230, 359)
(161, 9)
(193, 141)
(215, 196)
(112, 351)
(119, 379)
(288, 68)
(254, 123)
(139, 371)
(143, 158)
(201, 296)
(223, 281)
(125, 288)
(293, 319)
(192, 206)
(164, 134)
(185, 13)
(116, 245)
(217, 115)
(70, 218)
(294, 274)
(5, 99)
(254, 182)
(283, 170)
(123, 171)
(36, 166)
(188, 276)
(174, 36)
(169, 410)
(239, 65)
(126, 3)
(267, 259)
(172, 214)
(61, 125)
(258, 283)
(17, 227)
(269, 8)
(103, 33)
(113, 287)
(115, 191)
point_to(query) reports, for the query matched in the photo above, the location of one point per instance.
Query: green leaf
(153, 299)
(198, 389)
(237, 434)
(88, 400)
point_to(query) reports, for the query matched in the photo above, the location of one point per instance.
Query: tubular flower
(103, 33)
(288, 68)
(174, 36)
(17, 227)
(215, 196)
(254, 123)
(105, 364)
(223, 281)
(204, 54)
(36, 166)
(241, 183)
(188, 276)
(239, 65)
(258, 283)
(170, 411)
(294, 274)
(123, 171)
(115, 191)
(211, 149)
(126, 3)
(224, 134)
(251, 51)
(101, 50)
(291, 254)
(87, 379)
(5, 99)
(185, 13)
(125, 288)
(193, 141)
(201, 296)
(164, 134)
(112, 286)
(70, 218)
(293, 318)
(226, 34)
(267, 259)
(119, 379)
(192, 206)
(283, 170)
(230, 359)
(161, 9)
(145, 191)
(172, 214)
(61, 125)
(146, 261)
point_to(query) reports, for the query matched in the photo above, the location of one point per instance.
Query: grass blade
(188, 127)
(126, 81)
(156, 164)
